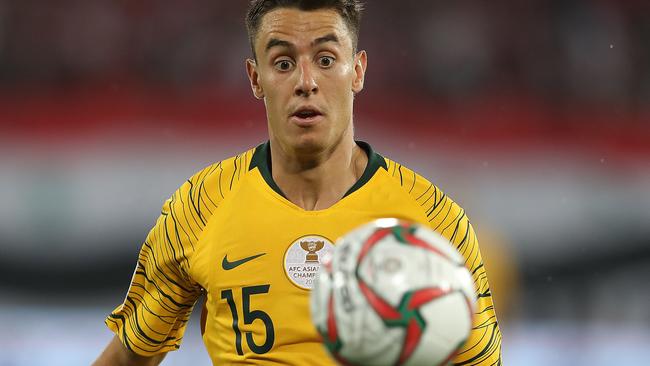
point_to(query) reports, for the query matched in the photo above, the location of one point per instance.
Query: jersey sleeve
(484, 344)
(483, 347)
(153, 316)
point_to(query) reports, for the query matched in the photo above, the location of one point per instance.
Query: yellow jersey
(230, 233)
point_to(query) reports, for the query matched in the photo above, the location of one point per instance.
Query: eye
(326, 61)
(283, 65)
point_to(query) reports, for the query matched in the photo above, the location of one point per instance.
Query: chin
(311, 143)
(309, 146)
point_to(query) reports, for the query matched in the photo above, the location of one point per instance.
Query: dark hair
(350, 11)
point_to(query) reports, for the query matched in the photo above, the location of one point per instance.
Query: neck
(319, 180)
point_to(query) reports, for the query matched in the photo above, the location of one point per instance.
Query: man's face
(307, 73)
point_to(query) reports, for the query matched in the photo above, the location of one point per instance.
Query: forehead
(299, 26)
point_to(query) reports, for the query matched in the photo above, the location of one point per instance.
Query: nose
(306, 84)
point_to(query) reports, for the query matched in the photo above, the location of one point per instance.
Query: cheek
(346, 72)
(344, 80)
(346, 76)
(273, 92)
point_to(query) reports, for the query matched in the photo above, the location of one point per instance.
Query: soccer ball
(393, 293)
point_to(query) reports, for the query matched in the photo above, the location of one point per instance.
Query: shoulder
(443, 214)
(202, 193)
(419, 188)
(220, 178)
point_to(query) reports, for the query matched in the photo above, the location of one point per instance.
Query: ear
(360, 65)
(254, 77)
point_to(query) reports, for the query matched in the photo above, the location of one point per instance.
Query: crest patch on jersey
(303, 258)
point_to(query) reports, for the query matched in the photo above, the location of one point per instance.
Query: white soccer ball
(393, 293)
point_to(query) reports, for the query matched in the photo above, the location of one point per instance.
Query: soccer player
(247, 231)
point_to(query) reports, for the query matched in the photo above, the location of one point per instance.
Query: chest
(257, 259)
(256, 236)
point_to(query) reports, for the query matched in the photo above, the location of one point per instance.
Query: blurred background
(533, 115)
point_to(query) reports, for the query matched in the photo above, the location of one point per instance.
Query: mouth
(305, 116)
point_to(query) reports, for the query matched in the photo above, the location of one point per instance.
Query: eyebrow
(328, 38)
(274, 42)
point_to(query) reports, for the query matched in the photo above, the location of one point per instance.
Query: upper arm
(154, 314)
(116, 354)
(483, 347)
(444, 216)
(164, 289)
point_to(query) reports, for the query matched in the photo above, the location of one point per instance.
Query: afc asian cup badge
(303, 258)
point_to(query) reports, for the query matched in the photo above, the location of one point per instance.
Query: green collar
(262, 160)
